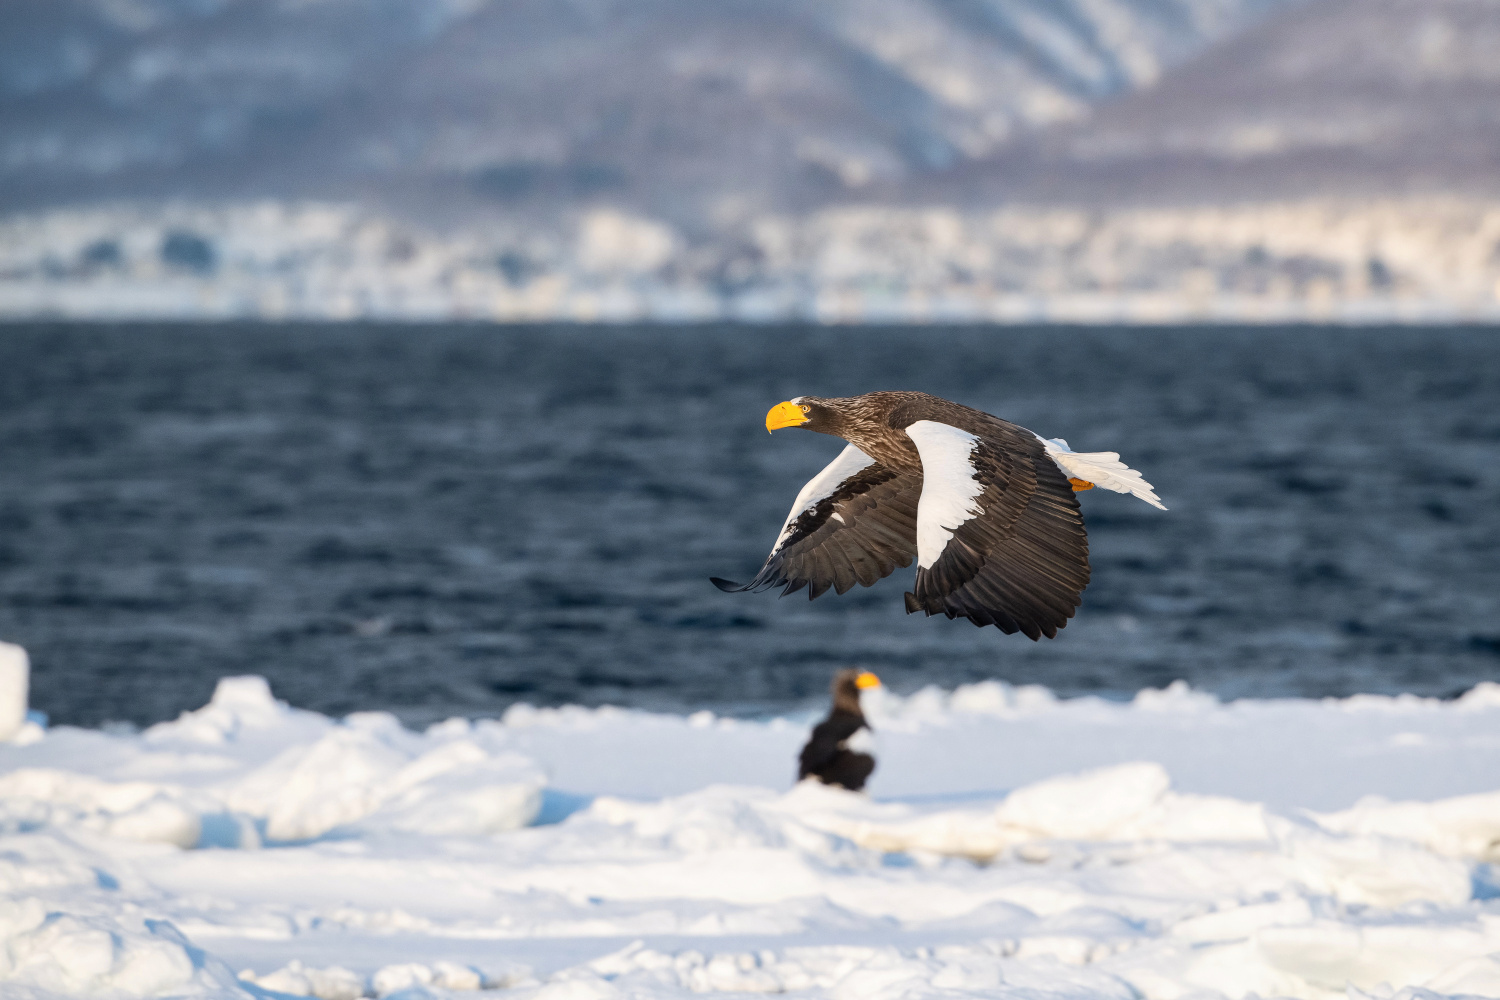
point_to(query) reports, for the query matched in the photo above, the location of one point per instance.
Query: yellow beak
(866, 680)
(784, 415)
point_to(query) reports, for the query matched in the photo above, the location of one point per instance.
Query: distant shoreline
(1416, 260)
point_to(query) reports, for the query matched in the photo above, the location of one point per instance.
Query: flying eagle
(985, 506)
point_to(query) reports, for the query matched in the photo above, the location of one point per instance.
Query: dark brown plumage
(827, 755)
(998, 535)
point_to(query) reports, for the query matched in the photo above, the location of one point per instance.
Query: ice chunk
(1089, 806)
(1471, 976)
(1467, 826)
(15, 679)
(383, 776)
(1128, 802)
(332, 983)
(459, 790)
(239, 704)
(107, 954)
(250, 694)
(1376, 871)
(134, 810)
(317, 788)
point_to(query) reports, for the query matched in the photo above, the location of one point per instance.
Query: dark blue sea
(442, 520)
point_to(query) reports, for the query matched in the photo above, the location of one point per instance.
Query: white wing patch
(1102, 468)
(823, 485)
(950, 486)
(863, 741)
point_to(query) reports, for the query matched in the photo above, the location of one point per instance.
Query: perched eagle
(985, 506)
(835, 753)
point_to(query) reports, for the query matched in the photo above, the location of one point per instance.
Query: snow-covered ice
(15, 684)
(1012, 845)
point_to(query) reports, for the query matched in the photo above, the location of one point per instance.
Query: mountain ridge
(664, 106)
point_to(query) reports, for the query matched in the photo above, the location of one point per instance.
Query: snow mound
(1131, 801)
(849, 972)
(75, 955)
(61, 934)
(410, 979)
(246, 769)
(333, 983)
(373, 772)
(1467, 826)
(15, 684)
(135, 810)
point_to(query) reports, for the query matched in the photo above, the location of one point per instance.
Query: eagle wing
(854, 522)
(827, 739)
(1000, 537)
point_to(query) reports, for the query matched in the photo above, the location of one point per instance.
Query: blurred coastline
(1425, 260)
(1136, 161)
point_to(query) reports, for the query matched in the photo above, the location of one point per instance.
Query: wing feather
(853, 523)
(1020, 559)
(1102, 468)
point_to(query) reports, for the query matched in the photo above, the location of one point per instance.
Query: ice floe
(1013, 845)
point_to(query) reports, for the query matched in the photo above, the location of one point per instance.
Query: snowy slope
(664, 105)
(1331, 98)
(1013, 845)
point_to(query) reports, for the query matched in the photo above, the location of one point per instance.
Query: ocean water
(444, 520)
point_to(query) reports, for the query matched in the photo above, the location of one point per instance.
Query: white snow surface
(1011, 845)
(15, 683)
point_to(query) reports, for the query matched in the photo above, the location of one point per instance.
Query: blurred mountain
(840, 160)
(689, 111)
(1328, 98)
